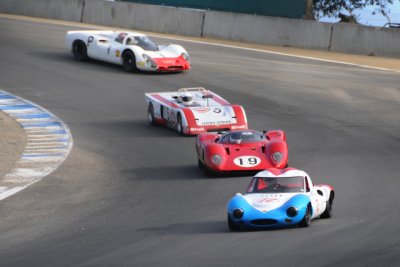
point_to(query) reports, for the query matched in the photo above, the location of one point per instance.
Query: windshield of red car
(240, 137)
(276, 185)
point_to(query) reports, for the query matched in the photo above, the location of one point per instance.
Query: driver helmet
(187, 98)
(235, 138)
(121, 36)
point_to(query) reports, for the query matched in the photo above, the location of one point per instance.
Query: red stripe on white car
(219, 99)
(165, 101)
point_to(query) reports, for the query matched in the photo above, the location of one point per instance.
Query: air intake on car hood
(264, 222)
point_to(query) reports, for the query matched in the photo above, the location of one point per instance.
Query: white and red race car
(192, 111)
(134, 51)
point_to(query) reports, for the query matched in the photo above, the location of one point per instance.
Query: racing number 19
(247, 161)
(250, 160)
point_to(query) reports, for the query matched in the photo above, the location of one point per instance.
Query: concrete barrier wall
(339, 37)
(144, 17)
(70, 10)
(267, 30)
(357, 39)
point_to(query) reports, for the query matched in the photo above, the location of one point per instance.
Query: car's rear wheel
(129, 61)
(79, 50)
(150, 114)
(233, 226)
(306, 221)
(328, 210)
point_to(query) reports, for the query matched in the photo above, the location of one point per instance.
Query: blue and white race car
(280, 198)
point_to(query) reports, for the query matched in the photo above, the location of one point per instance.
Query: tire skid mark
(49, 142)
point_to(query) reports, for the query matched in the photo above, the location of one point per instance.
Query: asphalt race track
(131, 195)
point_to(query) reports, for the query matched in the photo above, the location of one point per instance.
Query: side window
(251, 185)
(307, 184)
(224, 139)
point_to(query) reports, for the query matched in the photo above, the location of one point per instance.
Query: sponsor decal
(202, 110)
(117, 53)
(267, 200)
(217, 110)
(141, 63)
(247, 161)
(172, 115)
(197, 129)
(215, 122)
(234, 127)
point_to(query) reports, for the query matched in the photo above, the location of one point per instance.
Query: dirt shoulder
(12, 143)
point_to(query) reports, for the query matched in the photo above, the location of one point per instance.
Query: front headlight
(149, 61)
(291, 212)
(216, 159)
(237, 213)
(277, 157)
(186, 57)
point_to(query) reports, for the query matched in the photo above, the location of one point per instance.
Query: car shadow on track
(135, 129)
(187, 228)
(104, 66)
(208, 227)
(181, 172)
(164, 173)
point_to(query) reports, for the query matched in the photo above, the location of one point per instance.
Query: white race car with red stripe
(206, 112)
(134, 51)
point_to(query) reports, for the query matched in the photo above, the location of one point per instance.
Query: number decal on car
(247, 161)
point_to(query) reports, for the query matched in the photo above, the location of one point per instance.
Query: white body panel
(318, 194)
(102, 45)
(204, 111)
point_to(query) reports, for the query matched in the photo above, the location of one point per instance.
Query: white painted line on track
(49, 142)
(208, 42)
(273, 52)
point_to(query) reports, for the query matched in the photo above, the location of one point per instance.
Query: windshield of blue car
(240, 137)
(276, 185)
(142, 41)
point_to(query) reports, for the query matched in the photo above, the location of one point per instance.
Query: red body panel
(172, 64)
(243, 157)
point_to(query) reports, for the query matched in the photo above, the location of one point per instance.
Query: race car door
(105, 49)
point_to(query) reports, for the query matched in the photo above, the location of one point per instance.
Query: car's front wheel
(79, 50)
(150, 114)
(306, 221)
(233, 226)
(129, 61)
(200, 164)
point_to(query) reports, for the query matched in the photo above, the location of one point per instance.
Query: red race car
(242, 150)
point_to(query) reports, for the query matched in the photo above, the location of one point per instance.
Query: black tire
(233, 226)
(200, 164)
(150, 115)
(79, 50)
(306, 221)
(209, 172)
(328, 210)
(129, 61)
(179, 124)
